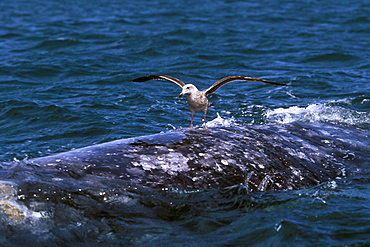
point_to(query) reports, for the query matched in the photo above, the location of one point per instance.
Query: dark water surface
(65, 83)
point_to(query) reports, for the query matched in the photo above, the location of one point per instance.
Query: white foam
(317, 113)
(221, 122)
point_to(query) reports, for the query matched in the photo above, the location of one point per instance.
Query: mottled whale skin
(260, 157)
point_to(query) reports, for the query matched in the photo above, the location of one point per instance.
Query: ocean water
(65, 83)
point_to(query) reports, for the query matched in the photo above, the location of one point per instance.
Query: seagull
(197, 100)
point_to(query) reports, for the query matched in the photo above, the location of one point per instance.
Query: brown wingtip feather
(143, 78)
(263, 80)
(275, 83)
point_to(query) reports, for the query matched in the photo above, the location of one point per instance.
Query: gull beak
(181, 94)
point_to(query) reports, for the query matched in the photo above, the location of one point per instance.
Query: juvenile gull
(197, 100)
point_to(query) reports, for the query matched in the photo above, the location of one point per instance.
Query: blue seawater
(65, 74)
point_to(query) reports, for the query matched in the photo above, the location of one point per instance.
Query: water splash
(221, 122)
(324, 113)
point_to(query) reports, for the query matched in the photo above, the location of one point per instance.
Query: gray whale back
(260, 157)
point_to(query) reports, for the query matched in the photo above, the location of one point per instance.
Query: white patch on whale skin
(171, 163)
(264, 183)
(296, 172)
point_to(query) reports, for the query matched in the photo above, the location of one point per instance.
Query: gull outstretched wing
(228, 79)
(159, 77)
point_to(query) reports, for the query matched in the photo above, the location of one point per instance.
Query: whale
(288, 156)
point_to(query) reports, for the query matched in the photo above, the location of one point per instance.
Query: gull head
(188, 89)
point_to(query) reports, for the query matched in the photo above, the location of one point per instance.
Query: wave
(58, 43)
(331, 57)
(322, 112)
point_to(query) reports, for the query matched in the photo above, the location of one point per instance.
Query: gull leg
(192, 120)
(205, 121)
